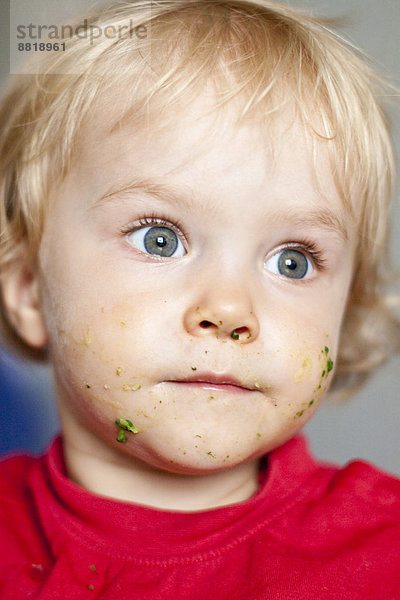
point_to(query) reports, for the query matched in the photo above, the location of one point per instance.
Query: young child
(194, 216)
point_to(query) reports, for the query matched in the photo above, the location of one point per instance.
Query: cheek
(299, 354)
(103, 349)
(311, 377)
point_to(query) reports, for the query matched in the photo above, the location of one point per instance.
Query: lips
(213, 381)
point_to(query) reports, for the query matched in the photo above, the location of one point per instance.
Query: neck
(108, 472)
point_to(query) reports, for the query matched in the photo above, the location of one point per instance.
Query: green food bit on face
(118, 371)
(121, 437)
(311, 403)
(300, 413)
(234, 336)
(91, 587)
(326, 349)
(323, 373)
(88, 386)
(258, 434)
(219, 323)
(211, 454)
(127, 425)
(92, 568)
(329, 364)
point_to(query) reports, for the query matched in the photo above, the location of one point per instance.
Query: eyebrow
(318, 217)
(168, 193)
(183, 195)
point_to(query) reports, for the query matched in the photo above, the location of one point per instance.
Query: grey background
(368, 425)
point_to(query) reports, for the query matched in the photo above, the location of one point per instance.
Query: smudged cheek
(310, 373)
(102, 363)
(93, 355)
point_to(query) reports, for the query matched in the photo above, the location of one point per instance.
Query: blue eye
(290, 263)
(157, 240)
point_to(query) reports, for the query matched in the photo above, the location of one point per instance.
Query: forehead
(198, 157)
(201, 135)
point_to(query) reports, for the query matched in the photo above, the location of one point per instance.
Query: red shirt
(312, 532)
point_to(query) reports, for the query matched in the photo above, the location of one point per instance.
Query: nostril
(206, 324)
(240, 330)
(241, 333)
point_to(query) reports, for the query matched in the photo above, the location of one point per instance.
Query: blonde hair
(260, 56)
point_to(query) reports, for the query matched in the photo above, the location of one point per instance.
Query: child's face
(221, 349)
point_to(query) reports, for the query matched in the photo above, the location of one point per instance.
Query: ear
(22, 302)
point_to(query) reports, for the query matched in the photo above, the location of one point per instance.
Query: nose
(223, 313)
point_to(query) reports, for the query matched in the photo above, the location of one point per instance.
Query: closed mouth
(215, 382)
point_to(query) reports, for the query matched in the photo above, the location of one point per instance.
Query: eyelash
(154, 219)
(308, 247)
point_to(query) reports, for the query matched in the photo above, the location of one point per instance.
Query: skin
(123, 326)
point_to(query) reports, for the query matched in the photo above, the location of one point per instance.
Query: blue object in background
(28, 416)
